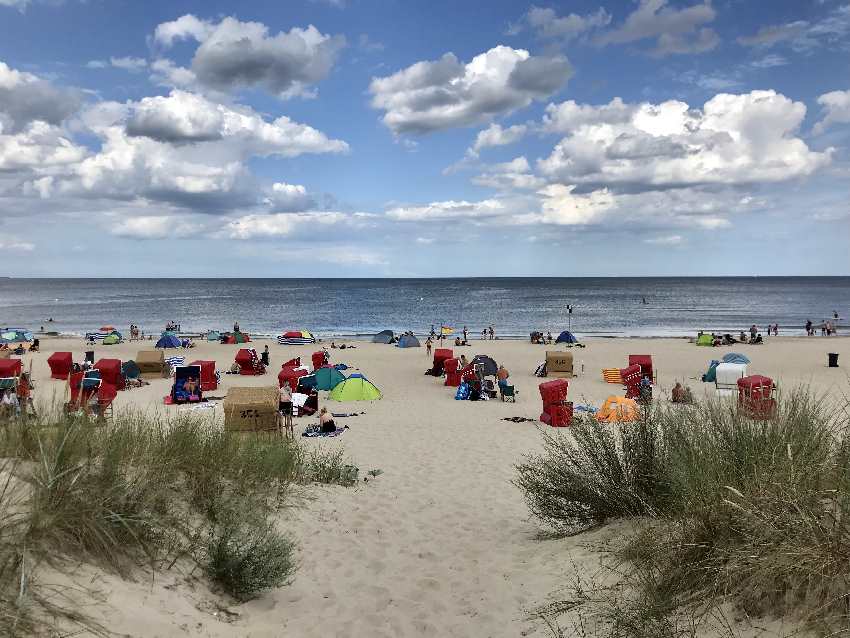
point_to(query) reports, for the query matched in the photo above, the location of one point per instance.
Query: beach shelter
(151, 363)
(130, 370)
(296, 338)
(208, 379)
(735, 357)
(328, 378)
(453, 372)
(249, 362)
(251, 409)
(110, 372)
(645, 363)
(60, 365)
(566, 337)
(319, 358)
(726, 382)
(559, 364)
(384, 336)
(111, 339)
(710, 375)
(213, 335)
(486, 364)
(705, 340)
(440, 356)
(408, 341)
(183, 393)
(618, 410)
(355, 388)
(167, 340)
(290, 374)
(10, 368)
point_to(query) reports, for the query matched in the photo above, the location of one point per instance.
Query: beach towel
(518, 419)
(312, 431)
(462, 393)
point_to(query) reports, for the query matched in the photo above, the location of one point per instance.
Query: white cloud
(836, 108)
(495, 135)
(507, 176)
(546, 23)
(96, 64)
(769, 61)
(563, 207)
(445, 93)
(674, 30)
(26, 98)
(449, 210)
(288, 198)
(425, 240)
(802, 36)
(156, 227)
(733, 139)
(15, 4)
(279, 224)
(39, 146)
(134, 65)
(234, 54)
(13, 243)
(665, 240)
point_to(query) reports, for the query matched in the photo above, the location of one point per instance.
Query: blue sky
(366, 138)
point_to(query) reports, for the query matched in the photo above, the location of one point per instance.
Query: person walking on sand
(823, 328)
(465, 335)
(428, 344)
(490, 330)
(809, 329)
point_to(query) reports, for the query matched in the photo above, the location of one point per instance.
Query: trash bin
(833, 359)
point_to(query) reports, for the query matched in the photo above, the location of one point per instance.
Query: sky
(390, 138)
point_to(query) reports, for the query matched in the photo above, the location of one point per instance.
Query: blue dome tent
(168, 340)
(384, 336)
(566, 337)
(408, 341)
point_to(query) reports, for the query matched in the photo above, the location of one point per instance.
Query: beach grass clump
(594, 473)
(752, 513)
(145, 490)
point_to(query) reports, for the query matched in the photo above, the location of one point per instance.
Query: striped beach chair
(174, 362)
(612, 375)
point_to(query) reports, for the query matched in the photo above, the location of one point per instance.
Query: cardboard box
(251, 409)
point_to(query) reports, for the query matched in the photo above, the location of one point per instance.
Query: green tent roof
(328, 378)
(355, 388)
(111, 340)
(705, 340)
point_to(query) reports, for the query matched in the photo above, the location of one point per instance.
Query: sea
(614, 307)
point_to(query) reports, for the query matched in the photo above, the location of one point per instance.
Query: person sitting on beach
(190, 386)
(457, 341)
(757, 339)
(502, 375)
(326, 421)
(463, 361)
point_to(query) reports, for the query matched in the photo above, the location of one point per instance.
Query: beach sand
(440, 544)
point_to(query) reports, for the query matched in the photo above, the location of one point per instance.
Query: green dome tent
(111, 340)
(327, 378)
(705, 340)
(355, 388)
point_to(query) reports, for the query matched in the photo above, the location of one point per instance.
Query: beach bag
(462, 393)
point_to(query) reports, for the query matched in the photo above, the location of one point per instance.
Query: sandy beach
(440, 544)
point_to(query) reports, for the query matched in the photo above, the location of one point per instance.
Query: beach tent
(235, 337)
(213, 335)
(151, 363)
(60, 365)
(408, 341)
(209, 381)
(618, 410)
(328, 378)
(705, 340)
(130, 370)
(110, 372)
(384, 336)
(307, 382)
(15, 335)
(355, 388)
(566, 337)
(168, 341)
(296, 338)
(111, 340)
(487, 365)
(735, 357)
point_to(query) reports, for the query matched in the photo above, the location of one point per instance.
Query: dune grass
(144, 491)
(733, 511)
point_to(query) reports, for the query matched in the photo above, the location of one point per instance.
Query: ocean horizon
(514, 306)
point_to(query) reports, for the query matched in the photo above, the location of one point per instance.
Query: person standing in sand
(428, 345)
(285, 409)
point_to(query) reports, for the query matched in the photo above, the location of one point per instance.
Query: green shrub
(330, 467)
(246, 555)
(595, 472)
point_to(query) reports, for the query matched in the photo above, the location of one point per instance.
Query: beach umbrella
(355, 388)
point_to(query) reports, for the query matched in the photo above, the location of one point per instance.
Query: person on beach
(753, 332)
(463, 361)
(285, 409)
(492, 333)
(809, 330)
(465, 335)
(823, 328)
(502, 374)
(428, 344)
(235, 326)
(326, 421)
